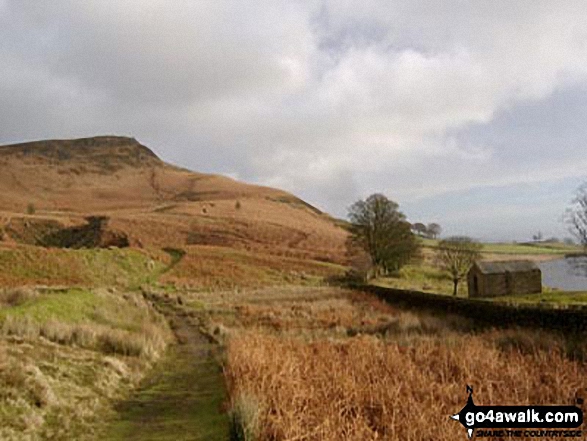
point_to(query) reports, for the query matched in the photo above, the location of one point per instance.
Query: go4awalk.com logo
(518, 421)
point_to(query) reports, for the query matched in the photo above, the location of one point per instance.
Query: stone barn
(494, 279)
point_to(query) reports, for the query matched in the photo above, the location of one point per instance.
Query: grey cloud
(329, 99)
(159, 52)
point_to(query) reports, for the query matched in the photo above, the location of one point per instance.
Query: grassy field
(529, 248)
(422, 277)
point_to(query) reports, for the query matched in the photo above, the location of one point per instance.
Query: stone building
(493, 279)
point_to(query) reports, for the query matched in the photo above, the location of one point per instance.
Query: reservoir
(568, 274)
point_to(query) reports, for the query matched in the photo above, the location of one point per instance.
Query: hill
(48, 187)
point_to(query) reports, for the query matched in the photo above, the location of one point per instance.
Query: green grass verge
(85, 267)
(423, 278)
(68, 305)
(554, 297)
(79, 305)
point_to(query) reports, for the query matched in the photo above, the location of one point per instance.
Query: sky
(468, 113)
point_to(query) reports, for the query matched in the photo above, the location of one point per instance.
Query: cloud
(329, 99)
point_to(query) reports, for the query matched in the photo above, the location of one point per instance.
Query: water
(568, 274)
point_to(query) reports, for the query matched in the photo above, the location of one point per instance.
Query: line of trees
(382, 241)
(430, 231)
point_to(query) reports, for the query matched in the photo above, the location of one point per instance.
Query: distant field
(519, 248)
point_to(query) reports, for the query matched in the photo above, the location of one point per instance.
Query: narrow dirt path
(182, 398)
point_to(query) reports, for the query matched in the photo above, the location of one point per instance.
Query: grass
(554, 297)
(178, 400)
(518, 248)
(65, 354)
(67, 305)
(218, 268)
(422, 277)
(528, 248)
(88, 267)
(123, 324)
(50, 391)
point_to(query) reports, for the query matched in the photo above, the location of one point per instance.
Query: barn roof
(510, 266)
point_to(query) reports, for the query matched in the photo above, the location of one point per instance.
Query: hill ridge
(125, 148)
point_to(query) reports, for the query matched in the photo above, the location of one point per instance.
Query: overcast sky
(472, 114)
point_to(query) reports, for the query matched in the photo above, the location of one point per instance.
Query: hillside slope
(150, 201)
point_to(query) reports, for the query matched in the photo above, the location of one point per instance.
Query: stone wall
(487, 313)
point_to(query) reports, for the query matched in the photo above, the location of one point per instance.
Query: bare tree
(383, 232)
(577, 216)
(456, 255)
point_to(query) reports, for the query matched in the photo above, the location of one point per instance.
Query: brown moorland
(47, 185)
(322, 363)
(302, 362)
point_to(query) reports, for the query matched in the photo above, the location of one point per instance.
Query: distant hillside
(61, 182)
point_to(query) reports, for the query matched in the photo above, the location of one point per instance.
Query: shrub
(17, 296)
(244, 418)
(366, 388)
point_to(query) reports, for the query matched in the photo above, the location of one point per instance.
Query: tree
(577, 215)
(456, 255)
(383, 232)
(433, 230)
(419, 228)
